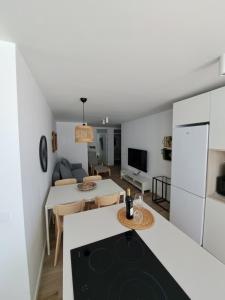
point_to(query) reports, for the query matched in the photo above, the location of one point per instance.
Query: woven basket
(147, 221)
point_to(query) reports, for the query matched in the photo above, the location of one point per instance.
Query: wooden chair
(92, 178)
(65, 181)
(107, 200)
(60, 211)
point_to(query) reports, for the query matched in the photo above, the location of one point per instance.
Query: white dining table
(71, 193)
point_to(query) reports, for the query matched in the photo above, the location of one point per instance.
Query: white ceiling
(129, 57)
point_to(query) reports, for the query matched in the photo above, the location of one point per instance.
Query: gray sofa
(64, 169)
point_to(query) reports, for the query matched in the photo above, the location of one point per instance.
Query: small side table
(102, 169)
(165, 182)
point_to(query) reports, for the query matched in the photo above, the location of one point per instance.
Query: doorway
(117, 147)
(101, 145)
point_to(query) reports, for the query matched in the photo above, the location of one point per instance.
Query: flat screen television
(137, 159)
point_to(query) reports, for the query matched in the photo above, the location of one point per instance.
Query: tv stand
(139, 181)
(137, 173)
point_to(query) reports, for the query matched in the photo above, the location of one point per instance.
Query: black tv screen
(137, 159)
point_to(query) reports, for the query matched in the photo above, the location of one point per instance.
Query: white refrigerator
(188, 182)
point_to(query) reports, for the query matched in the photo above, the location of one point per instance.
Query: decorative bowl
(87, 186)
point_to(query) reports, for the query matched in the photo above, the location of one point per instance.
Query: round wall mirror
(43, 153)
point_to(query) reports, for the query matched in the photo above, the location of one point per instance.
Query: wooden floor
(51, 278)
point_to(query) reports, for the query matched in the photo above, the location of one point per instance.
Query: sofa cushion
(66, 163)
(79, 174)
(76, 166)
(56, 173)
(65, 172)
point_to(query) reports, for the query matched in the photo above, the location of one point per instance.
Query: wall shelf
(217, 196)
(216, 167)
(167, 148)
(167, 153)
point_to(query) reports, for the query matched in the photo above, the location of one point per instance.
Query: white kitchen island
(200, 275)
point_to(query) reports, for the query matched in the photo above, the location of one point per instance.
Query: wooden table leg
(47, 230)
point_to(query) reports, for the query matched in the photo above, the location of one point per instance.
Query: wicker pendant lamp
(83, 132)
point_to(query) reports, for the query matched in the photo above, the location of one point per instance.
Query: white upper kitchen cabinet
(192, 110)
(217, 120)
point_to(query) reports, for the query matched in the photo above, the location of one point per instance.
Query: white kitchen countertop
(199, 274)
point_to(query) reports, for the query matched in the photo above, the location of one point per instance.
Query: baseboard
(39, 273)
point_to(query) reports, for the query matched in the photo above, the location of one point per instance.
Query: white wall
(67, 148)
(35, 120)
(147, 133)
(14, 281)
(24, 117)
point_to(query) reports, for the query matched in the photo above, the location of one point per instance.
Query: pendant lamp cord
(83, 113)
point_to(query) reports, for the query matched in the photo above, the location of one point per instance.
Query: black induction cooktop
(121, 267)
